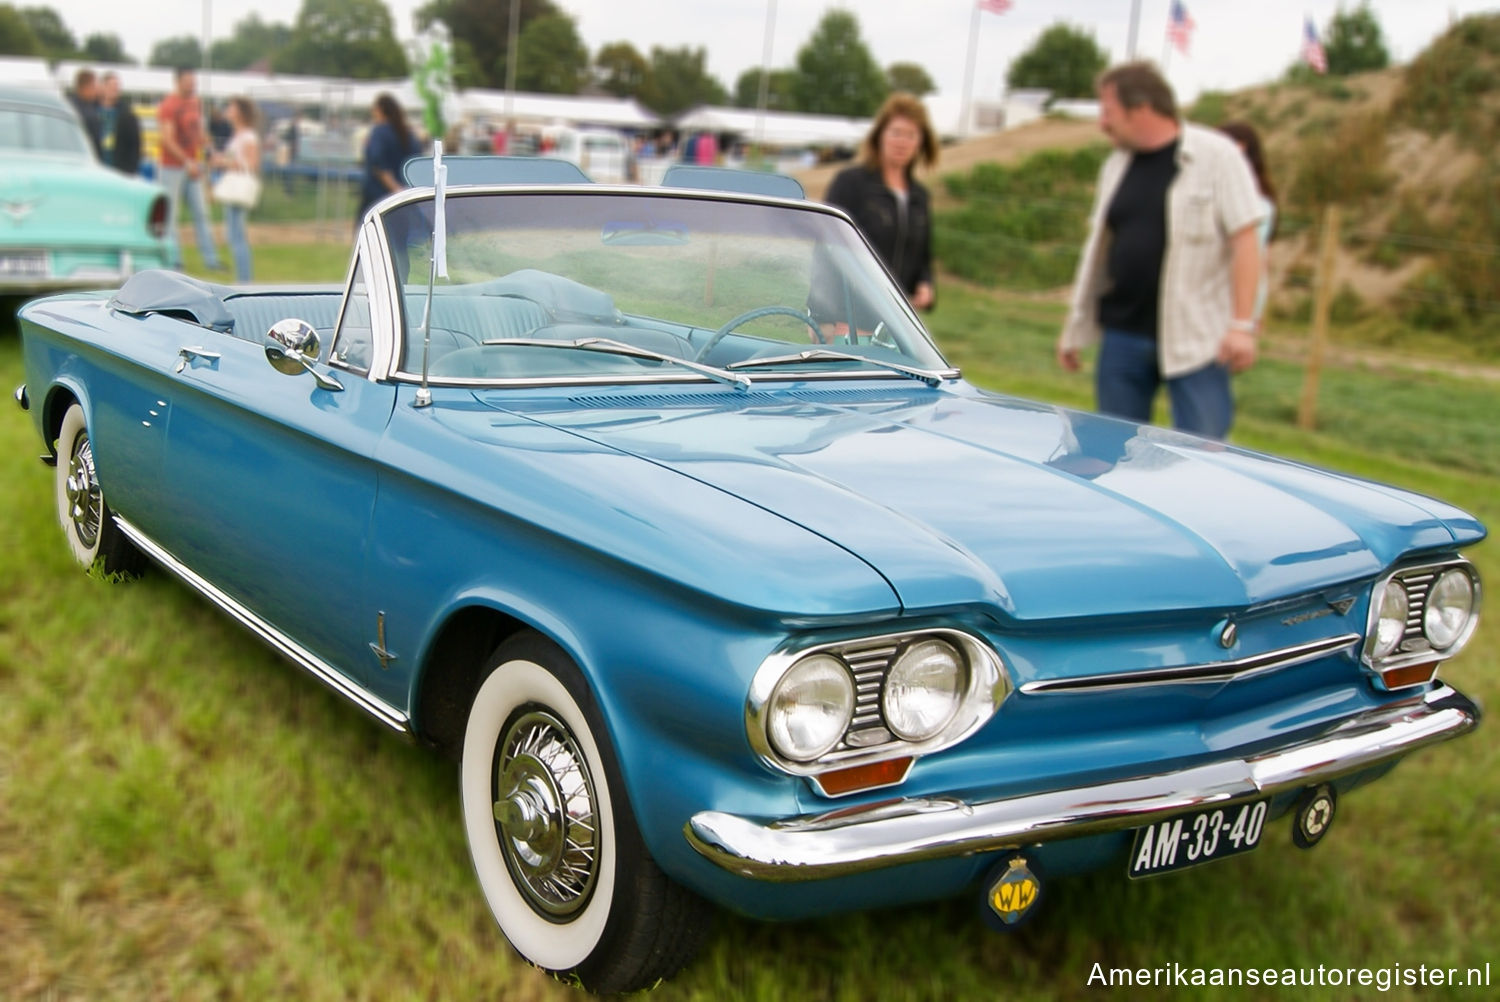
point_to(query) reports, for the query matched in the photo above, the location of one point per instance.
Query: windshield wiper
(928, 376)
(612, 347)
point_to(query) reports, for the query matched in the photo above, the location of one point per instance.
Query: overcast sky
(1236, 42)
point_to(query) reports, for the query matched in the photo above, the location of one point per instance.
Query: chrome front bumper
(892, 832)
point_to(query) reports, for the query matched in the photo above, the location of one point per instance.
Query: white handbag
(237, 187)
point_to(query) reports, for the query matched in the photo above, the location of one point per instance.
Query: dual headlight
(820, 699)
(1423, 611)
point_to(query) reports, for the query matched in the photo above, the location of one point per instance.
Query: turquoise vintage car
(658, 510)
(66, 220)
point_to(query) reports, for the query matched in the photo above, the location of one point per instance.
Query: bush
(1019, 227)
(1343, 165)
(1452, 85)
(1210, 108)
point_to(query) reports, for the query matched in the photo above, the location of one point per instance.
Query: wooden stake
(1307, 413)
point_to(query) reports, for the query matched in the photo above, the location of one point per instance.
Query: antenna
(439, 264)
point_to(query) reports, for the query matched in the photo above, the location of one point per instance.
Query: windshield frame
(395, 369)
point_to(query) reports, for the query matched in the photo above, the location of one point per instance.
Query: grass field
(184, 816)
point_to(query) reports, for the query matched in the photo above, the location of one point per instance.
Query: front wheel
(87, 522)
(553, 839)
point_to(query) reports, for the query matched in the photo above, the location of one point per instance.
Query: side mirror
(292, 347)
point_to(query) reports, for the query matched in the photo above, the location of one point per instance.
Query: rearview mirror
(292, 347)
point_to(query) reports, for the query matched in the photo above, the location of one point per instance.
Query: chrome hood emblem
(19, 208)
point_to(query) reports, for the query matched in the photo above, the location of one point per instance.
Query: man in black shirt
(119, 129)
(1167, 280)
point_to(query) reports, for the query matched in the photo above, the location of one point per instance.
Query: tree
(47, 25)
(909, 77)
(343, 38)
(179, 50)
(253, 40)
(16, 36)
(550, 57)
(1064, 60)
(105, 48)
(620, 69)
(1354, 43)
(780, 90)
(480, 30)
(678, 80)
(836, 75)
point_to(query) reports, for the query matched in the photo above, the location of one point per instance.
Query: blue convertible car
(659, 511)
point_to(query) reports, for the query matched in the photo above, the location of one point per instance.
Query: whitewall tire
(552, 837)
(86, 520)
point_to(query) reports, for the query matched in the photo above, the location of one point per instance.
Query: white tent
(25, 71)
(546, 109)
(777, 128)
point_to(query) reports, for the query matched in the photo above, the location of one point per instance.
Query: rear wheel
(85, 516)
(554, 841)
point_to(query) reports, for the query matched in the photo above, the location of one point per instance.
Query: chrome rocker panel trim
(382, 711)
(892, 832)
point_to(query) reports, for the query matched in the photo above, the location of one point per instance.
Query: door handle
(186, 355)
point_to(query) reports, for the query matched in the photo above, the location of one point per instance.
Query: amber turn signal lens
(863, 777)
(1400, 678)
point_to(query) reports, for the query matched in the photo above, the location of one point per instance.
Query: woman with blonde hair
(884, 198)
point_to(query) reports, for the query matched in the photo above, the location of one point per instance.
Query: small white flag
(439, 210)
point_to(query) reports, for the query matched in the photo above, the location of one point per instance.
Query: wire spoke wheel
(545, 814)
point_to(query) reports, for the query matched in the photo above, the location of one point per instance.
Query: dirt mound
(1001, 147)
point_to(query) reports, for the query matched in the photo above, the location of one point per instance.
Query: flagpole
(1135, 24)
(765, 76)
(963, 109)
(510, 61)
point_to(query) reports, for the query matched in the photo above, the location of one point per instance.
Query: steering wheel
(744, 318)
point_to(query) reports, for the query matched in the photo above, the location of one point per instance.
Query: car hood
(52, 200)
(961, 497)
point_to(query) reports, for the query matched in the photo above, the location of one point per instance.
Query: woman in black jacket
(885, 200)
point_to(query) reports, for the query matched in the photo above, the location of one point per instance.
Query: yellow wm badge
(1012, 896)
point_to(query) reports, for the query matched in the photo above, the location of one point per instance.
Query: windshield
(711, 281)
(39, 132)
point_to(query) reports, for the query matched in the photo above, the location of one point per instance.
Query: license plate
(1197, 838)
(25, 264)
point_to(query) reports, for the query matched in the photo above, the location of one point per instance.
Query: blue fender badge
(1012, 896)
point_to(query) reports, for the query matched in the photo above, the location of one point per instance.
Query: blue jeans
(1129, 374)
(239, 240)
(179, 186)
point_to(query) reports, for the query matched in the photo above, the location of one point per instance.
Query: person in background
(389, 145)
(180, 116)
(119, 128)
(219, 129)
(1166, 281)
(241, 153)
(884, 198)
(85, 98)
(706, 153)
(292, 143)
(1248, 140)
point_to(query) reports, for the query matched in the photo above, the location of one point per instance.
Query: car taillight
(156, 221)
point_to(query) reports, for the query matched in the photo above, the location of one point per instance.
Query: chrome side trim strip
(1219, 671)
(378, 708)
(893, 832)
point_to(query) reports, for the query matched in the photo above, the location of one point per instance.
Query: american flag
(1312, 49)
(1180, 27)
(995, 6)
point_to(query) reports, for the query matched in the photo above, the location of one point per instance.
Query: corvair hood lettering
(966, 497)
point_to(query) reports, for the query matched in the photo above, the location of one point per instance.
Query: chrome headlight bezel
(1415, 646)
(827, 674)
(986, 685)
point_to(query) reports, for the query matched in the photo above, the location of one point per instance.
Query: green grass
(185, 816)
